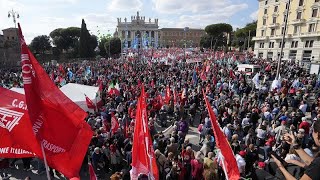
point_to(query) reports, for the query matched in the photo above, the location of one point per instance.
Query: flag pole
(223, 165)
(45, 162)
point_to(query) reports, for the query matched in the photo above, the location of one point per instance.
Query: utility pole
(249, 40)
(282, 41)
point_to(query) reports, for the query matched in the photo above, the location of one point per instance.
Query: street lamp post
(15, 15)
(282, 41)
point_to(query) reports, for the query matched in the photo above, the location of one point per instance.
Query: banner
(58, 123)
(17, 139)
(143, 158)
(229, 161)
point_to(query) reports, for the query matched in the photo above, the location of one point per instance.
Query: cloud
(125, 5)
(193, 6)
(254, 15)
(218, 16)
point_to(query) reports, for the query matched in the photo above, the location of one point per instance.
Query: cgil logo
(26, 69)
(9, 119)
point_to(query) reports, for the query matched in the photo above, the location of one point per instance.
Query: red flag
(61, 69)
(16, 135)
(143, 159)
(89, 102)
(175, 101)
(268, 68)
(222, 143)
(168, 96)
(58, 123)
(92, 173)
(231, 74)
(159, 98)
(114, 124)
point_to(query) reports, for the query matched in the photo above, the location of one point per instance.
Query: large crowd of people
(272, 130)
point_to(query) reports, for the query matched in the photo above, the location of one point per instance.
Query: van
(249, 69)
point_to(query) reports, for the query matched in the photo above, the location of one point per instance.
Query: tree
(205, 41)
(65, 38)
(218, 34)
(102, 41)
(40, 44)
(87, 43)
(242, 34)
(115, 46)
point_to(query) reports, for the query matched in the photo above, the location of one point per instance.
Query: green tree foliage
(87, 43)
(65, 38)
(218, 29)
(242, 35)
(40, 44)
(102, 42)
(115, 46)
(205, 41)
(218, 34)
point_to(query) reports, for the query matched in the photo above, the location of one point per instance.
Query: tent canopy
(75, 92)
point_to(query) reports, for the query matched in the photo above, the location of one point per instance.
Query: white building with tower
(138, 32)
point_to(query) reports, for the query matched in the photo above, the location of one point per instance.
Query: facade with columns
(138, 32)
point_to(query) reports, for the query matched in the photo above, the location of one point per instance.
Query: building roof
(179, 29)
(10, 29)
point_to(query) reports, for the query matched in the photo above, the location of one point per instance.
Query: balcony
(298, 21)
(310, 34)
(261, 38)
(316, 5)
(273, 25)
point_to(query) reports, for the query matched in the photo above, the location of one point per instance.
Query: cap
(261, 164)
(242, 153)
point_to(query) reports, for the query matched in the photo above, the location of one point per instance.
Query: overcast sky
(40, 17)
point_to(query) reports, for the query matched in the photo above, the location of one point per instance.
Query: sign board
(314, 69)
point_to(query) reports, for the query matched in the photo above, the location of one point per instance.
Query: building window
(282, 31)
(309, 44)
(287, 5)
(316, 1)
(295, 29)
(276, 0)
(8, 38)
(260, 55)
(262, 32)
(299, 15)
(266, 2)
(274, 20)
(265, 11)
(275, 9)
(261, 45)
(293, 54)
(312, 27)
(271, 44)
(284, 44)
(264, 21)
(300, 2)
(314, 13)
(272, 32)
(306, 55)
(294, 44)
(12, 38)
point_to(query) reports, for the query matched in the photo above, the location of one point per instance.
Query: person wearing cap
(260, 173)
(241, 162)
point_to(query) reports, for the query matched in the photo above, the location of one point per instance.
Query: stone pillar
(156, 38)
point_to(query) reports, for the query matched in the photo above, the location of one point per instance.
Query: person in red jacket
(197, 167)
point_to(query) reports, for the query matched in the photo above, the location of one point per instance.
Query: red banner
(58, 123)
(222, 144)
(16, 135)
(143, 158)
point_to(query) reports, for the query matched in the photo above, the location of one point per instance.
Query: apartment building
(302, 37)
